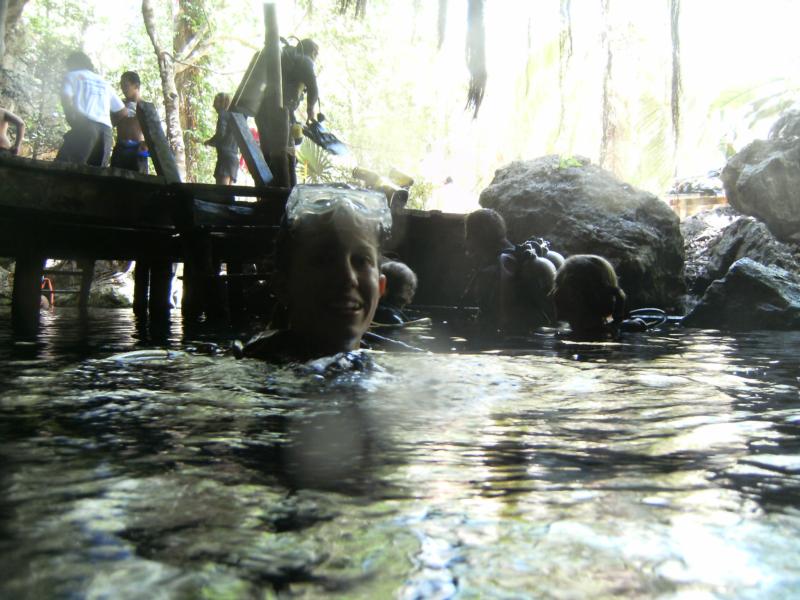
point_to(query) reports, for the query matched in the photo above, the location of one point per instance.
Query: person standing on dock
(130, 151)
(6, 118)
(227, 168)
(89, 103)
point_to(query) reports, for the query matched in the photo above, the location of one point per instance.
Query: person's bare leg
(223, 179)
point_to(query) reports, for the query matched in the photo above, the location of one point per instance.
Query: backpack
(527, 277)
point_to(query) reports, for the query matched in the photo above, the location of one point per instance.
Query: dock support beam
(272, 119)
(27, 294)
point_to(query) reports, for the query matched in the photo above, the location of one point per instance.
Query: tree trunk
(607, 143)
(189, 79)
(3, 17)
(166, 68)
(10, 12)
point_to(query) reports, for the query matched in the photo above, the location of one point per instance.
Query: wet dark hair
(78, 61)
(222, 99)
(131, 77)
(308, 46)
(397, 274)
(587, 291)
(487, 225)
(289, 234)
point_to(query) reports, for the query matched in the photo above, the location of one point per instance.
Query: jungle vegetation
(442, 90)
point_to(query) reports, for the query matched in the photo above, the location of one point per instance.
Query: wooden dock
(82, 213)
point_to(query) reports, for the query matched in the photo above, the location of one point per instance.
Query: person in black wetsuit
(227, 168)
(298, 78)
(401, 285)
(587, 295)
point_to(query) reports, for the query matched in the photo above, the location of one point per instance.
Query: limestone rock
(583, 209)
(750, 296)
(717, 238)
(5, 286)
(763, 180)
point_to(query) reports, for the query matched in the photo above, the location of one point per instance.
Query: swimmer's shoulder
(272, 345)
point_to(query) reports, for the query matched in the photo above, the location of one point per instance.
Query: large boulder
(581, 208)
(717, 238)
(763, 180)
(750, 296)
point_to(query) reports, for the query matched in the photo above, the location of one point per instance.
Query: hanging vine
(564, 56)
(476, 56)
(608, 125)
(674, 12)
(442, 21)
(359, 7)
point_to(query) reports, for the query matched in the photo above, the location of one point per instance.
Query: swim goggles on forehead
(318, 199)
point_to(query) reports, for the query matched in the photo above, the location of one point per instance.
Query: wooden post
(141, 287)
(157, 143)
(26, 296)
(252, 155)
(273, 119)
(153, 277)
(235, 287)
(160, 287)
(87, 274)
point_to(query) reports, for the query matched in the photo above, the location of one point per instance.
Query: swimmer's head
(587, 294)
(401, 283)
(485, 233)
(222, 101)
(328, 264)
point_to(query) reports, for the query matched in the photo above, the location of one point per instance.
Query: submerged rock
(750, 296)
(583, 209)
(763, 180)
(5, 286)
(716, 239)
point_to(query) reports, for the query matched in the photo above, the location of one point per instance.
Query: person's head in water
(309, 48)
(485, 235)
(401, 283)
(130, 84)
(222, 101)
(78, 61)
(328, 271)
(587, 295)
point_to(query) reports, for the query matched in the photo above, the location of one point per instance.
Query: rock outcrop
(763, 180)
(749, 296)
(5, 287)
(583, 209)
(717, 238)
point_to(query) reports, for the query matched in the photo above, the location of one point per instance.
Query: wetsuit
(227, 148)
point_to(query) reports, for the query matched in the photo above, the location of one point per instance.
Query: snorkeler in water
(401, 285)
(328, 279)
(587, 295)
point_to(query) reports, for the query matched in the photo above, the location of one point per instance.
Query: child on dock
(328, 277)
(227, 168)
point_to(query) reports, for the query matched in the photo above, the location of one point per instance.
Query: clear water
(665, 466)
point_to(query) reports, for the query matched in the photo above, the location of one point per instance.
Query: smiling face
(129, 89)
(333, 283)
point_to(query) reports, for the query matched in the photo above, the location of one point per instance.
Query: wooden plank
(250, 151)
(157, 143)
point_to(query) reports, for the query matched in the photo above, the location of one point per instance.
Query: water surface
(667, 465)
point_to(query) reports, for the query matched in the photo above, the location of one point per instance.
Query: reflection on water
(133, 466)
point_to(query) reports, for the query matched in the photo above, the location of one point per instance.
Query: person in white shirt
(89, 105)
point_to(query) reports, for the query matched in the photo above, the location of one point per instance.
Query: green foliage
(567, 162)
(53, 29)
(419, 195)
